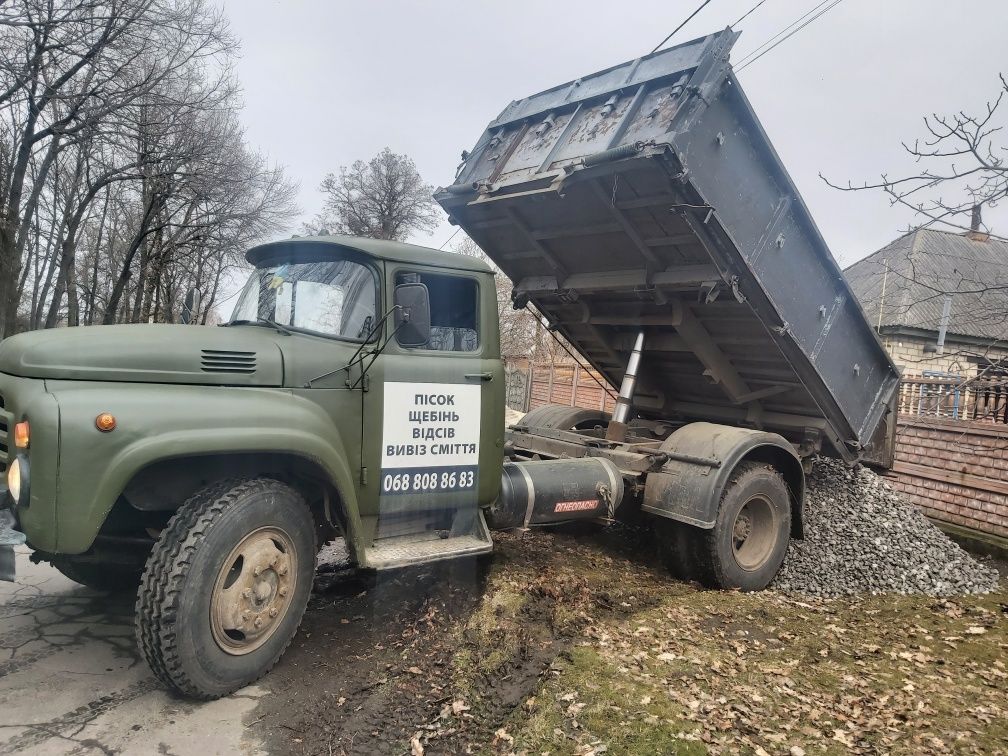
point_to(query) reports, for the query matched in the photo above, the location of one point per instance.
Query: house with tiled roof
(939, 301)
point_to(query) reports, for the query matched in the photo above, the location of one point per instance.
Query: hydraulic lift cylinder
(617, 429)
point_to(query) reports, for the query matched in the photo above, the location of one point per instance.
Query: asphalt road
(71, 679)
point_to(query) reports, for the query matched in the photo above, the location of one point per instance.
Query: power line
(753, 57)
(823, 12)
(672, 34)
(794, 23)
(450, 237)
(744, 15)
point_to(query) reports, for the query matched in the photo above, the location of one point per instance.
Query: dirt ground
(578, 642)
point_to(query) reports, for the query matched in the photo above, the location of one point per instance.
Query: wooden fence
(571, 384)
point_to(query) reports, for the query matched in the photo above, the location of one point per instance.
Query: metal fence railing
(955, 398)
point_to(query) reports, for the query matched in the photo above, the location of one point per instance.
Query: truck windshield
(332, 297)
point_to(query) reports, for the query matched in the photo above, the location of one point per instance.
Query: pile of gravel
(862, 537)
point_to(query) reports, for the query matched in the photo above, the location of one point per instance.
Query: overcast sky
(327, 83)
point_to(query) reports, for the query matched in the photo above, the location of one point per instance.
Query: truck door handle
(480, 376)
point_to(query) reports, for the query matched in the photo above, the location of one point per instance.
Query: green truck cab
(356, 392)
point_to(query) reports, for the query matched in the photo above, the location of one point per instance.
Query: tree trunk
(116, 297)
(152, 282)
(90, 302)
(208, 305)
(10, 267)
(66, 282)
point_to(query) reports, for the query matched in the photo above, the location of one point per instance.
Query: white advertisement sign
(430, 437)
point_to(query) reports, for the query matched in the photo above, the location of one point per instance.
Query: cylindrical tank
(540, 492)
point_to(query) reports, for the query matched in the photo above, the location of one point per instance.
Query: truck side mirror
(412, 314)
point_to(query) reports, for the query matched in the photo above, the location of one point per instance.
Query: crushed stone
(862, 536)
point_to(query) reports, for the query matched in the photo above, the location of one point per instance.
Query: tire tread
(708, 567)
(165, 574)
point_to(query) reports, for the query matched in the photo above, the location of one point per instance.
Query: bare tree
(66, 67)
(383, 198)
(124, 175)
(964, 167)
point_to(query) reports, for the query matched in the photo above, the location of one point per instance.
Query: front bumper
(9, 538)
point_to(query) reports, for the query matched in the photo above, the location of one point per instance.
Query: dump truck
(357, 391)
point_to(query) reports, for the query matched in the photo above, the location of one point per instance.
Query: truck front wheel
(747, 544)
(226, 586)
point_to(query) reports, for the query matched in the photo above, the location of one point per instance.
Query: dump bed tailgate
(647, 197)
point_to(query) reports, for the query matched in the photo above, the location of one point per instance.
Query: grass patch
(591, 702)
(595, 650)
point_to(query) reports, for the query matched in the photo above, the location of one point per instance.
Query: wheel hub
(754, 533)
(253, 590)
(743, 528)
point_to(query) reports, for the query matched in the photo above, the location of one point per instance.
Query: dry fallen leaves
(501, 736)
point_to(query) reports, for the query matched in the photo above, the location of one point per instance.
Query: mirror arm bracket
(374, 356)
(354, 360)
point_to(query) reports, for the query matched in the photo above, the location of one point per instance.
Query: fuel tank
(544, 492)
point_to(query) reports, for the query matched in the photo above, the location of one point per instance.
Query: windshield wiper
(260, 322)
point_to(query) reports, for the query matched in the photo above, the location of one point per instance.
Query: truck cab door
(434, 412)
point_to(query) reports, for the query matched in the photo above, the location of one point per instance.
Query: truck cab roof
(313, 246)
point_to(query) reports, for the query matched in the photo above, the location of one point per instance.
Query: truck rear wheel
(677, 543)
(100, 577)
(747, 544)
(226, 586)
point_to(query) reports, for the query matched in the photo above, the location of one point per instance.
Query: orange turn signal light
(21, 434)
(105, 422)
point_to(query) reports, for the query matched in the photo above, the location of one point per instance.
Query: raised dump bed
(647, 197)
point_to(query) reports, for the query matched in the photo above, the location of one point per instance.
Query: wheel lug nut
(256, 570)
(283, 591)
(273, 612)
(246, 594)
(258, 622)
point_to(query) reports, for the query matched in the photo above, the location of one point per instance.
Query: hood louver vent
(224, 361)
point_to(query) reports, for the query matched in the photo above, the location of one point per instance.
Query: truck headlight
(17, 480)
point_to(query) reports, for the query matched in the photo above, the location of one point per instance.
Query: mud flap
(701, 458)
(9, 538)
